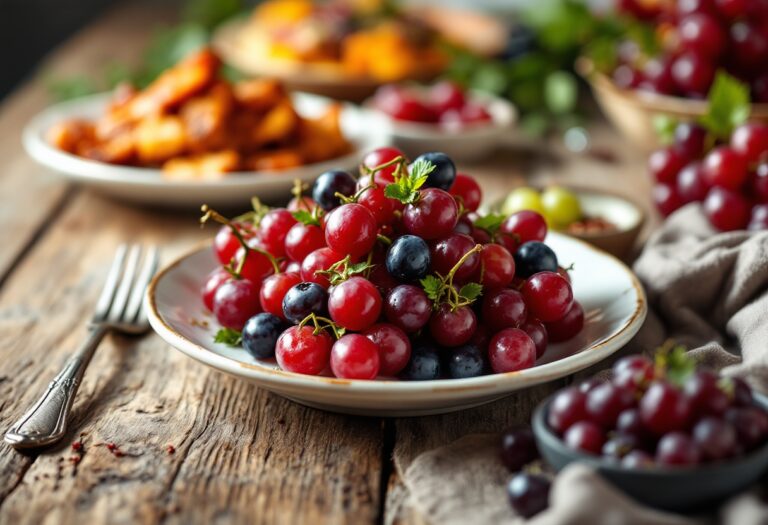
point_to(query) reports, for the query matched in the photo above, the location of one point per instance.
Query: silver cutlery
(119, 309)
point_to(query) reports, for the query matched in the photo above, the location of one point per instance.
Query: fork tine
(110, 285)
(126, 282)
(137, 294)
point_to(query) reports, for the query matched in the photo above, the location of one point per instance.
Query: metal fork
(119, 308)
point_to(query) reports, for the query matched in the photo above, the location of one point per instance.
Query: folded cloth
(706, 290)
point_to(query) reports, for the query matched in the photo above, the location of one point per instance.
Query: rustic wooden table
(241, 454)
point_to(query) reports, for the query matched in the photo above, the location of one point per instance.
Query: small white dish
(612, 297)
(363, 128)
(466, 144)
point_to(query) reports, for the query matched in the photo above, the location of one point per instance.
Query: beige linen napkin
(709, 291)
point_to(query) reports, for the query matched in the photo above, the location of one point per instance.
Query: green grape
(561, 207)
(522, 199)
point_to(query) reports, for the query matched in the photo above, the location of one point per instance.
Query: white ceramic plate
(470, 143)
(612, 297)
(363, 128)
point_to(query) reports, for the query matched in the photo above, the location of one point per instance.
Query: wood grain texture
(240, 453)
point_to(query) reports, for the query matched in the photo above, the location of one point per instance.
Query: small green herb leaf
(674, 362)
(728, 105)
(228, 336)
(491, 222)
(307, 218)
(406, 186)
(433, 286)
(665, 125)
(471, 291)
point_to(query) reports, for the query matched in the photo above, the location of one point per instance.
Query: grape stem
(328, 323)
(211, 214)
(400, 160)
(356, 197)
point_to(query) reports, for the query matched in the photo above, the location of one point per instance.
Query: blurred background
(31, 28)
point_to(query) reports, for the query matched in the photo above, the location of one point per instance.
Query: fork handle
(46, 422)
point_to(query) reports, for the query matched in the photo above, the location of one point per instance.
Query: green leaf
(419, 172)
(433, 286)
(305, 217)
(471, 291)
(728, 105)
(395, 191)
(665, 125)
(491, 222)
(676, 363)
(228, 336)
(560, 92)
(406, 186)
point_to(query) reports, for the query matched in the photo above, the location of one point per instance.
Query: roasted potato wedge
(159, 139)
(187, 78)
(202, 167)
(196, 126)
(68, 135)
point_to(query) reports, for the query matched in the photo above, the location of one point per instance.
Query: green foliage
(228, 336)
(728, 105)
(406, 186)
(433, 287)
(470, 291)
(490, 223)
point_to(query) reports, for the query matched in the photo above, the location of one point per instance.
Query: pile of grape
(650, 415)
(392, 274)
(443, 103)
(696, 38)
(730, 179)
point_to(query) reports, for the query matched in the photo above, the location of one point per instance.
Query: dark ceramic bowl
(676, 489)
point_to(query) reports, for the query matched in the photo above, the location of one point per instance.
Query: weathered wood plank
(240, 453)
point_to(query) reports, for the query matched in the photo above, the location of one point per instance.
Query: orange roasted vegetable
(197, 126)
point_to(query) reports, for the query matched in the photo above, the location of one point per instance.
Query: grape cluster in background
(390, 274)
(690, 41)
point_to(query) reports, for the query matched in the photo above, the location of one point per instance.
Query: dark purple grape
(528, 493)
(715, 438)
(518, 447)
(260, 334)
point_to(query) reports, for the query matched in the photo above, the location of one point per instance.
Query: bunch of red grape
(731, 180)
(391, 274)
(444, 103)
(697, 38)
(670, 416)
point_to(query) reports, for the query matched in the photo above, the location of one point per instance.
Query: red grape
(350, 229)
(750, 141)
(727, 210)
(567, 327)
(452, 327)
(548, 296)
(273, 228)
(215, 279)
(567, 408)
(433, 216)
(468, 190)
(302, 351)
(408, 307)
(354, 304)
(511, 350)
(664, 164)
(504, 308)
(394, 347)
(497, 267)
(726, 168)
(235, 302)
(585, 436)
(273, 290)
(354, 356)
